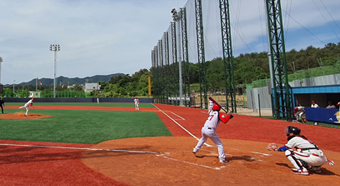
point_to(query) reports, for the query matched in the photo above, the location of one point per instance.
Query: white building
(89, 87)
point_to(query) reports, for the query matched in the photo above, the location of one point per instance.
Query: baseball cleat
(194, 151)
(224, 161)
(302, 171)
(316, 169)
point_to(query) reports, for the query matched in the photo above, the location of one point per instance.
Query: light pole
(177, 17)
(36, 84)
(55, 48)
(13, 86)
(0, 69)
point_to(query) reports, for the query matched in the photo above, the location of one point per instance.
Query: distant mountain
(70, 81)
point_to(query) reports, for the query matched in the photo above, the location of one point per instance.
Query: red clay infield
(168, 160)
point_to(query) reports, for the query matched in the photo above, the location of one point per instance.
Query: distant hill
(70, 81)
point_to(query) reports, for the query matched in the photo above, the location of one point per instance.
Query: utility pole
(55, 48)
(0, 69)
(177, 18)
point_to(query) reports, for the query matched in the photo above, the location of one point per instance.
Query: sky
(102, 37)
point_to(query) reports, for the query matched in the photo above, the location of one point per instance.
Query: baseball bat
(211, 99)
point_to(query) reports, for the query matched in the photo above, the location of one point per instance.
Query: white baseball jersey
(28, 103)
(136, 101)
(208, 131)
(314, 105)
(306, 151)
(214, 119)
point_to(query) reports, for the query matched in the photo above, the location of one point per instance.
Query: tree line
(247, 68)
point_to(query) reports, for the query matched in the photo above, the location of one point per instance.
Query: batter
(208, 131)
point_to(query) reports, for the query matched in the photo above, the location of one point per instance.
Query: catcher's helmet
(291, 129)
(216, 107)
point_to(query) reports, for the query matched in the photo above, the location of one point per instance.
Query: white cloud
(113, 36)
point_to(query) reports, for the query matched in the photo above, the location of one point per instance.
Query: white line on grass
(80, 148)
(181, 126)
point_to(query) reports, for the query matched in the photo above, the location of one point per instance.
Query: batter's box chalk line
(264, 154)
(190, 163)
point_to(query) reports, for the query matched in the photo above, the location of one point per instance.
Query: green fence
(302, 74)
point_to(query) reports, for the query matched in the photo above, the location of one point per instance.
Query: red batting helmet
(216, 107)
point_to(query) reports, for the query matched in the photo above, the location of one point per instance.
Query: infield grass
(141, 105)
(86, 127)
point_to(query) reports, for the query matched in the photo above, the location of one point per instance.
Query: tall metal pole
(184, 38)
(201, 54)
(0, 69)
(282, 99)
(177, 18)
(227, 55)
(55, 48)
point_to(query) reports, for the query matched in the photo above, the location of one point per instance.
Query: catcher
(307, 154)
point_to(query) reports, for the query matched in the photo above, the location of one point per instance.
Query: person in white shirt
(136, 101)
(208, 131)
(314, 105)
(27, 105)
(330, 105)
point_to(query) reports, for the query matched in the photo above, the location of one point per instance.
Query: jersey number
(211, 117)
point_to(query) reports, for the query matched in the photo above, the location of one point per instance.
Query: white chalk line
(264, 154)
(177, 115)
(190, 163)
(181, 126)
(129, 151)
(79, 148)
(110, 150)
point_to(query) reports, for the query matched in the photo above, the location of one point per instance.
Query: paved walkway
(252, 112)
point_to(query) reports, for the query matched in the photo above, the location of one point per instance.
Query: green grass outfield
(85, 127)
(141, 105)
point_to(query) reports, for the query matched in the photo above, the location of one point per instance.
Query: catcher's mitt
(272, 146)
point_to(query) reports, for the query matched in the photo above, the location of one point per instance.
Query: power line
(331, 18)
(304, 27)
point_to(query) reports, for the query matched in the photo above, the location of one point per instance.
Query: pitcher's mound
(20, 115)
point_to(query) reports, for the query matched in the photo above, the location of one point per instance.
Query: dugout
(320, 94)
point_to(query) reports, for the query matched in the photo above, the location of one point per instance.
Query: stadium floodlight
(54, 48)
(177, 17)
(0, 69)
